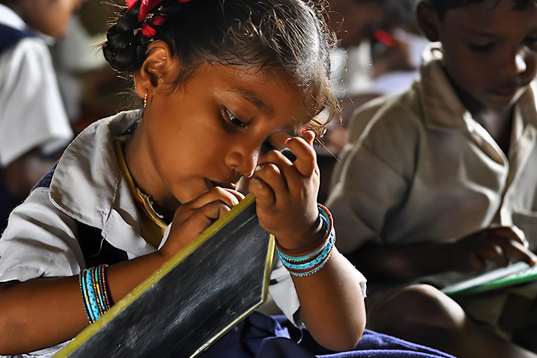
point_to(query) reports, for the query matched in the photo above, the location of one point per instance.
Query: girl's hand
(192, 218)
(500, 245)
(286, 193)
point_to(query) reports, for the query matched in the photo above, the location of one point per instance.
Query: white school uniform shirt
(32, 114)
(88, 186)
(420, 168)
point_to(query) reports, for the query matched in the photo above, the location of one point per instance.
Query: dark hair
(441, 6)
(277, 35)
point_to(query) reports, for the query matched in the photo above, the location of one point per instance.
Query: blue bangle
(312, 263)
(310, 255)
(314, 271)
(94, 292)
(325, 228)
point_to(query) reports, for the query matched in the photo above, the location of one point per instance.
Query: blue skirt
(261, 336)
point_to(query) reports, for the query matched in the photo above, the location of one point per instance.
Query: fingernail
(234, 201)
(258, 167)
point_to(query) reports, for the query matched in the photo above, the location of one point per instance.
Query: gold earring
(145, 100)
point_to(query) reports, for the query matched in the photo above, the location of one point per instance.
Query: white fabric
(31, 110)
(420, 168)
(40, 240)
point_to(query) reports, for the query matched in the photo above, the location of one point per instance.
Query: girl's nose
(243, 160)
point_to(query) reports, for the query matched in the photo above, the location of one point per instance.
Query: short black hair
(442, 6)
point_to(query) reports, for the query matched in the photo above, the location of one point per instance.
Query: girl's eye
(482, 47)
(234, 120)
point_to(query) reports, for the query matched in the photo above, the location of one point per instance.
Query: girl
(223, 83)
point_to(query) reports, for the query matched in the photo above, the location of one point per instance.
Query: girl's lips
(213, 184)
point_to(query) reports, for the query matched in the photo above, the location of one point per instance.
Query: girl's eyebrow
(251, 97)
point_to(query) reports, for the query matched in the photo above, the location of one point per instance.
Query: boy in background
(442, 182)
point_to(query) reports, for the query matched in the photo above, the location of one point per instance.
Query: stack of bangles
(94, 292)
(307, 263)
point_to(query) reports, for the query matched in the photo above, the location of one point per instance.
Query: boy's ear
(428, 20)
(158, 68)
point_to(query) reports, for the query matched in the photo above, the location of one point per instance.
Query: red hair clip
(145, 7)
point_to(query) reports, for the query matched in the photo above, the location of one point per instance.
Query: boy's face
(211, 131)
(490, 52)
(50, 17)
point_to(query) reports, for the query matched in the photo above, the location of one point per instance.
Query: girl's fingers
(185, 232)
(309, 137)
(228, 197)
(265, 196)
(305, 161)
(302, 148)
(271, 175)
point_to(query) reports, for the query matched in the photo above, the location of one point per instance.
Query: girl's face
(490, 51)
(212, 130)
(50, 17)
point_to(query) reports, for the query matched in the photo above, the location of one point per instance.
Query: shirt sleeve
(373, 180)
(283, 291)
(39, 241)
(31, 109)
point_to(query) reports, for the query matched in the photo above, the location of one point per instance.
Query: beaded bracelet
(311, 261)
(94, 291)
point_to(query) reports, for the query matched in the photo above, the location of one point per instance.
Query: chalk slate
(515, 274)
(193, 300)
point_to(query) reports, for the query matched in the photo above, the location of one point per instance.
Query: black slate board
(192, 300)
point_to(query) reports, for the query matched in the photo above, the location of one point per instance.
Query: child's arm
(388, 262)
(331, 300)
(43, 312)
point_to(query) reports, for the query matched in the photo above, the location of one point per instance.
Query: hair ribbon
(145, 7)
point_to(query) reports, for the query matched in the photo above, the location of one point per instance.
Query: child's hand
(286, 193)
(192, 218)
(496, 244)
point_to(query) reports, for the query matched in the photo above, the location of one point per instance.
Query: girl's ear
(428, 20)
(158, 68)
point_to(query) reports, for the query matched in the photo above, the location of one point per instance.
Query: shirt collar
(441, 105)
(88, 184)
(10, 18)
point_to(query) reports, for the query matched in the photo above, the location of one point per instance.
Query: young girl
(223, 84)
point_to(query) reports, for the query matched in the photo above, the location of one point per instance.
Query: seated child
(33, 122)
(224, 83)
(443, 180)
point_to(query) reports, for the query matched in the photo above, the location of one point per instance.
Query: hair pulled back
(288, 36)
